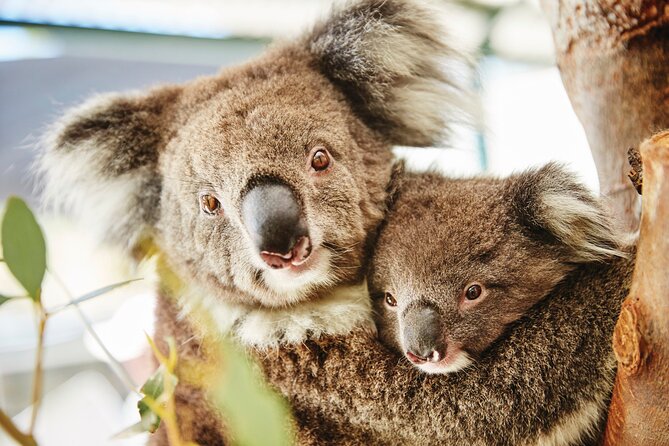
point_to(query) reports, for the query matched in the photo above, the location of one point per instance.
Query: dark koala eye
(390, 300)
(210, 204)
(320, 160)
(473, 292)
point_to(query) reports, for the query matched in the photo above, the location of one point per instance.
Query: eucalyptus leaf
(150, 421)
(4, 299)
(256, 415)
(129, 431)
(23, 246)
(152, 388)
(93, 294)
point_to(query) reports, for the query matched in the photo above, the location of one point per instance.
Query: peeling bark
(614, 61)
(639, 412)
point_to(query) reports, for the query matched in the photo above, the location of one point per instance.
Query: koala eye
(473, 292)
(320, 160)
(210, 204)
(390, 300)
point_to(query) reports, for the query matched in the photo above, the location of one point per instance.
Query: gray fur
(542, 365)
(388, 57)
(133, 166)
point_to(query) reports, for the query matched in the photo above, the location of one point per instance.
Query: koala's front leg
(369, 395)
(331, 404)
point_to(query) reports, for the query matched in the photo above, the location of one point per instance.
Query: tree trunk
(614, 61)
(639, 412)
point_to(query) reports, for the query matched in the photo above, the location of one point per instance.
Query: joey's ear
(388, 57)
(99, 162)
(553, 204)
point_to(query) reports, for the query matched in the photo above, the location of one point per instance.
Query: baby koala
(506, 291)
(460, 262)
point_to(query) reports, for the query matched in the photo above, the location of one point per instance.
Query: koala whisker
(187, 340)
(339, 249)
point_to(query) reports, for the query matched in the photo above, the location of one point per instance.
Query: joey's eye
(473, 292)
(320, 160)
(390, 300)
(210, 204)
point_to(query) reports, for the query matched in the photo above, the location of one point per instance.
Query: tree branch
(38, 373)
(14, 432)
(639, 412)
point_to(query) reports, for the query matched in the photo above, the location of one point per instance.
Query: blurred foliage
(23, 247)
(152, 389)
(255, 415)
(24, 251)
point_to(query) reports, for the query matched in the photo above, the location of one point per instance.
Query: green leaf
(93, 294)
(256, 415)
(153, 388)
(129, 431)
(5, 299)
(150, 421)
(23, 246)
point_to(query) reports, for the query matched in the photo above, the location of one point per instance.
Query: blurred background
(55, 53)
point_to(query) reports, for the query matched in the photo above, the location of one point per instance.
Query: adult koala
(262, 184)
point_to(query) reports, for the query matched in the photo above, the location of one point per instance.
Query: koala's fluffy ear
(99, 162)
(388, 57)
(554, 205)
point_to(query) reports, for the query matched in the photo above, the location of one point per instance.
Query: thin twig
(14, 432)
(38, 373)
(116, 366)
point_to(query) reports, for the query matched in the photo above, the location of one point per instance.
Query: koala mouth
(454, 361)
(296, 257)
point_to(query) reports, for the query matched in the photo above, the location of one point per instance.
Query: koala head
(263, 182)
(458, 260)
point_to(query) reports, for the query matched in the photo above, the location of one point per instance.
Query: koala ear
(388, 57)
(99, 162)
(554, 205)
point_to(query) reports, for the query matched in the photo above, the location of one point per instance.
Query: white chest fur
(344, 309)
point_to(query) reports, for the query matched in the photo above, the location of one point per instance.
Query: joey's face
(452, 269)
(271, 188)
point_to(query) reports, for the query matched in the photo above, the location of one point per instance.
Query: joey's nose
(274, 219)
(423, 337)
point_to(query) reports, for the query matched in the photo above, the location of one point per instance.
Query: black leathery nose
(273, 216)
(423, 333)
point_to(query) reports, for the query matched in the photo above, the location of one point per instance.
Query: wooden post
(614, 61)
(639, 412)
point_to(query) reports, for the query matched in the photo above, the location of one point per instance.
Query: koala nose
(423, 337)
(273, 217)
